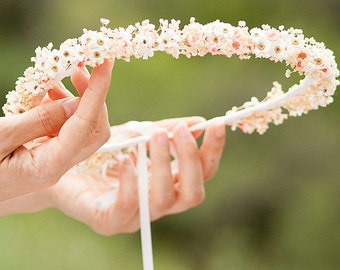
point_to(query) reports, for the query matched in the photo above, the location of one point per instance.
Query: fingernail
(126, 162)
(70, 105)
(162, 138)
(183, 132)
(220, 131)
(111, 63)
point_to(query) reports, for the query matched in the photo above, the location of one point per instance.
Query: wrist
(27, 203)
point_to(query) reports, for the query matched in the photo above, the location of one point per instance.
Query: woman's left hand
(171, 192)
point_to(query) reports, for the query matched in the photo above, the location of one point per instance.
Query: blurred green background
(274, 203)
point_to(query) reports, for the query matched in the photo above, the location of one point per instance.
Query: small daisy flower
(303, 55)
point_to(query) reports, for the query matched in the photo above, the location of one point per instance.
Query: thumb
(40, 121)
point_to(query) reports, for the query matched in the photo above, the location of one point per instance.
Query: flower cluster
(141, 40)
(259, 119)
(121, 144)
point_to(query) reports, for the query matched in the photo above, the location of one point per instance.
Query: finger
(101, 135)
(59, 91)
(75, 134)
(83, 124)
(40, 121)
(126, 205)
(80, 80)
(170, 124)
(95, 93)
(212, 149)
(117, 216)
(190, 174)
(162, 193)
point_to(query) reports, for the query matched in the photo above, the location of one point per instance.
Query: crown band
(303, 55)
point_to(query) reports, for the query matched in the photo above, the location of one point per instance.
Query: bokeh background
(274, 203)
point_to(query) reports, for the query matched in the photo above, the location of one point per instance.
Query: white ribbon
(144, 211)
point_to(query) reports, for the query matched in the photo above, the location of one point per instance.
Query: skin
(81, 131)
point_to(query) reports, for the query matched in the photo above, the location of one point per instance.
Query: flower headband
(305, 56)
(302, 55)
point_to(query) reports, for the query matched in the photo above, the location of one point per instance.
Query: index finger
(95, 94)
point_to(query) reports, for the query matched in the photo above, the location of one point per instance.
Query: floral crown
(303, 55)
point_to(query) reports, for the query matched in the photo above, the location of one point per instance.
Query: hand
(171, 192)
(80, 130)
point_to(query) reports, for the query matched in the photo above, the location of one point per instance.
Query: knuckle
(46, 120)
(38, 176)
(32, 174)
(131, 229)
(105, 134)
(210, 162)
(102, 226)
(93, 127)
(194, 198)
(103, 229)
(7, 138)
(210, 172)
(190, 149)
(127, 205)
(100, 223)
(165, 202)
(88, 123)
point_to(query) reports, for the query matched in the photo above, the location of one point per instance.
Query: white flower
(303, 55)
(95, 46)
(262, 47)
(104, 21)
